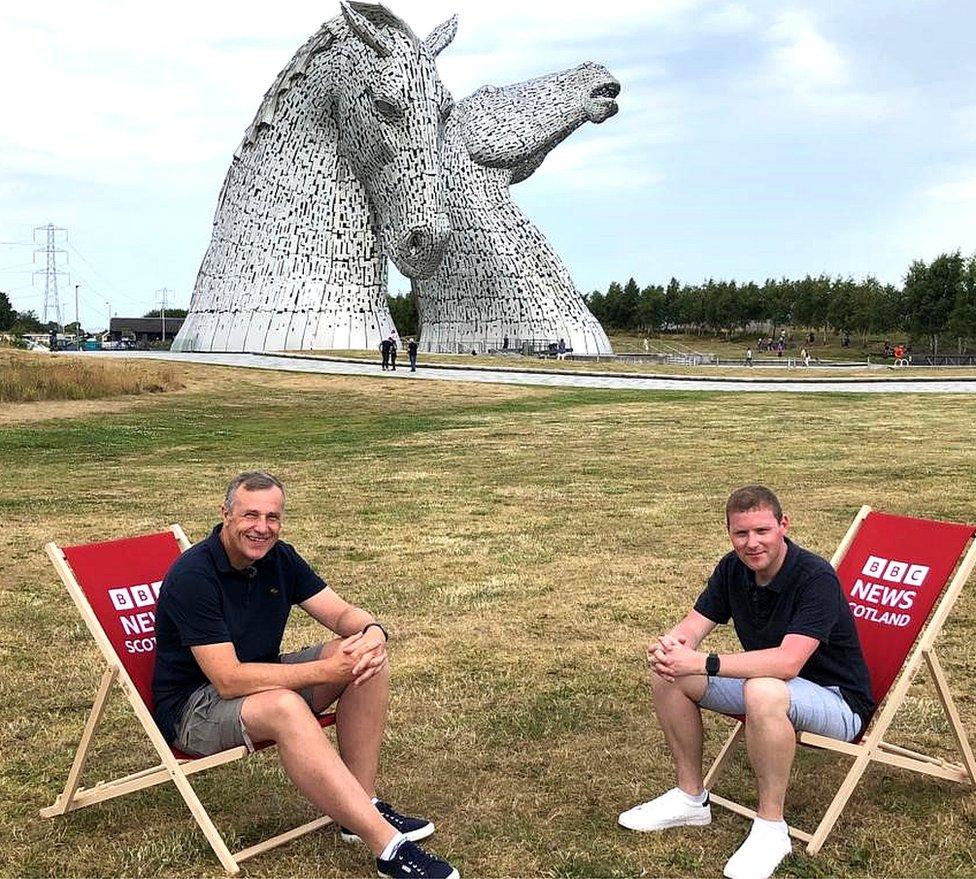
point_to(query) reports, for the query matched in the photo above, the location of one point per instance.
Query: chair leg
(952, 713)
(728, 749)
(838, 802)
(206, 824)
(63, 801)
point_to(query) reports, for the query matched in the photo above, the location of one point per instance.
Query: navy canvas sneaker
(414, 829)
(410, 861)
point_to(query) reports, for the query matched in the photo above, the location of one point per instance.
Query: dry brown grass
(29, 377)
(522, 544)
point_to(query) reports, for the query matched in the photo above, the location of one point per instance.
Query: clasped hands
(362, 655)
(670, 657)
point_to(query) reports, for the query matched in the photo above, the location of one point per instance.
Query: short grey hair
(251, 480)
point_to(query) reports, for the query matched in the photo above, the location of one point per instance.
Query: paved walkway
(565, 379)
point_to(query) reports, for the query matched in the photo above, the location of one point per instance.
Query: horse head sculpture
(339, 169)
(500, 279)
(389, 105)
(518, 125)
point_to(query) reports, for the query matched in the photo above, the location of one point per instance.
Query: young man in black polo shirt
(221, 682)
(801, 668)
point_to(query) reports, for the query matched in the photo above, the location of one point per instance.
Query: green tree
(930, 294)
(7, 313)
(622, 305)
(961, 324)
(596, 302)
(650, 310)
(26, 322)
(672, 304)
(404, 314)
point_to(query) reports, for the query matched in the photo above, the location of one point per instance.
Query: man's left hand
(369, 649)
(673, 660)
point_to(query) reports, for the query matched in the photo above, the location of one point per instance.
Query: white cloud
(802, 57)
(960, 189)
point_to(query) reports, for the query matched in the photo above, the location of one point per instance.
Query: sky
(755, 139)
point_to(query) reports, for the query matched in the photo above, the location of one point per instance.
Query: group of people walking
(388, 353)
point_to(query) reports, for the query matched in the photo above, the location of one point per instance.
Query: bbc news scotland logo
(139, 625)
(886, 589)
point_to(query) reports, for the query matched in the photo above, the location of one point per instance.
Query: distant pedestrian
(647, 346)
(505, 344)
(412, 354)
(748, 356)
(561, 350)
(393, 350)
(385, 347)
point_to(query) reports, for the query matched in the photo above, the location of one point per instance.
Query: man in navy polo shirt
(220, 680)
(801, 668)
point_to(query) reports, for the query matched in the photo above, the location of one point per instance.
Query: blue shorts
(813, 708)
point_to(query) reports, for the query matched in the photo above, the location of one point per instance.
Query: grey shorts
(210, 724)
(816, 709)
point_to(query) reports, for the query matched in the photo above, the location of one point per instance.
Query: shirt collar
(216, 547)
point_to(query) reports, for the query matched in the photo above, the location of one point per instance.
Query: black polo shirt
(804, 598)
(203, 600)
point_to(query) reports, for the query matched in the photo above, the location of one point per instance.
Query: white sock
(695, 799)
(375, 800)
(392, 846)
(773, 826)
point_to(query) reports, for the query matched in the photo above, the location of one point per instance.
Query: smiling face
(251, 525)
(759, 540)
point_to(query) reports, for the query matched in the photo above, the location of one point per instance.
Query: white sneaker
(760, 855)
(671, 809)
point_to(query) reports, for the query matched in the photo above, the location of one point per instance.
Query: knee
(282, 710)
(766, 697)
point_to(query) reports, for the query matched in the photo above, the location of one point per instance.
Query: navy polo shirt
(804, 598)
(204, 600)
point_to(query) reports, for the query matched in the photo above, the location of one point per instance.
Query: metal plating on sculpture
(354, 157)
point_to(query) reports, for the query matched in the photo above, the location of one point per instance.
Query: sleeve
(817, 609)
(713, 602)
(195, 607)
(304, 581)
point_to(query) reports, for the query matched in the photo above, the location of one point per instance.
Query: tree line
(935, 305)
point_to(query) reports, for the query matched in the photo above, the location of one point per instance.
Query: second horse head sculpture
(500, 279)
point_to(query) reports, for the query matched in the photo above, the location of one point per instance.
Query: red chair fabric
(893, 574)
(121, 580)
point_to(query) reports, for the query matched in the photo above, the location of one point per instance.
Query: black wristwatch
(379, 626)
(712, 665)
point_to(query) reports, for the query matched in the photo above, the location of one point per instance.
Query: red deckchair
(115, 586)
(894, 571)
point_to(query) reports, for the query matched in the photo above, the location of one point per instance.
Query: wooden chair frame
(171, 766)
(872, 748)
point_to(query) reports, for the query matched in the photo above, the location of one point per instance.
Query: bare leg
(360, 720)
(770, 742)
(678, 714)
(313, 764)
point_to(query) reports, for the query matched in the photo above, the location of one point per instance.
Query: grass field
(27, 377)
(522, 545)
